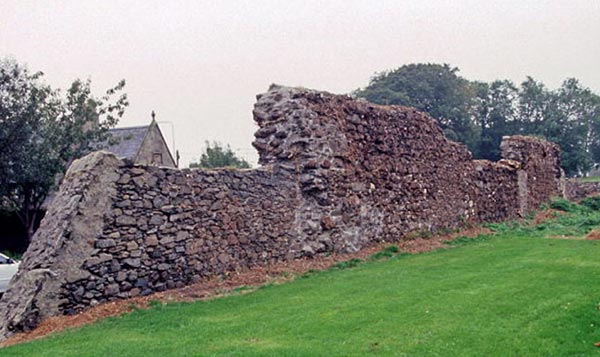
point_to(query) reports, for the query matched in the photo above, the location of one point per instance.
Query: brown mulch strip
(275, 273)
(593, 235)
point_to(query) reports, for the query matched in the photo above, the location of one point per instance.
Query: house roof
(129, 140)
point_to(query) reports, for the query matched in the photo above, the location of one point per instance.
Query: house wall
(338, 175)
(154, 143)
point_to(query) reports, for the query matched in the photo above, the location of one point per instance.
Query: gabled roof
(129, 140)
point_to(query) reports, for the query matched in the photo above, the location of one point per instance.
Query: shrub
(563, 205)
(592, 203)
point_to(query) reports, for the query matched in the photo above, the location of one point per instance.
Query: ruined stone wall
(170, 228)
(540, 170)
(367, 172)
(374, 172)
(575, 190)
(495, 186)
(61, 245)
(338, 174)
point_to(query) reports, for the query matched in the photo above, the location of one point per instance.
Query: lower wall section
(62, 244)
(170, 228)
(338, 175)
(576, 190)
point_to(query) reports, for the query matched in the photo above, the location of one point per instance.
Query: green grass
(386, 253)
(517, 293)
(590, 179)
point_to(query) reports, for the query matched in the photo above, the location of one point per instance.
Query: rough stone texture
(63, 242)
(169, 228)
(540, 170)
(576, 190)
(338, 175)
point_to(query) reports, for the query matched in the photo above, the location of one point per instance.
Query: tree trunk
(29, 213)
(27, 222)
(30, 231)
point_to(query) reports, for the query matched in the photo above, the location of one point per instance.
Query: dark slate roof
(129, 140)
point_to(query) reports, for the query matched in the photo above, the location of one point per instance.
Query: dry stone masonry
(337, 175)
(575, 190)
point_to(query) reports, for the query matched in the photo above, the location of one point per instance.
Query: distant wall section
(575, 189)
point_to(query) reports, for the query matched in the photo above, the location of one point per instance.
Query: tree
(495, 113)
(433, 88)
(478, 114)
(575, 119)
(42, 131)
(215, 156)
(532, 106)
(569, 116)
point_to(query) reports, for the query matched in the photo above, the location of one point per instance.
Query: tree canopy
(42, 130)
(433, 88)
(478, 114)
(216, 156)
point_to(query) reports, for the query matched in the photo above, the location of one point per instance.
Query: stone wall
(575, 190)
(170, 228)
(540, 173)
(62, 244)
(338, 175)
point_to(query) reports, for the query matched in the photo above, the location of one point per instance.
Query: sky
(199, 64)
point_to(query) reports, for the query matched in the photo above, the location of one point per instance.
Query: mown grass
(518, 292)
(590, 179)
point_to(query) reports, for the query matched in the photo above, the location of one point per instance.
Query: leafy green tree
(495, 113)
(216, 156)
(432, 88)
(533, 105)
(478, 114)
(569, 116)
(575, 121)
(42, 131)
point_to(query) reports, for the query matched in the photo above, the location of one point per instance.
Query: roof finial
(153, 115)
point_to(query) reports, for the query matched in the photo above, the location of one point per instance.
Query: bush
(592, 203)
(563, 205)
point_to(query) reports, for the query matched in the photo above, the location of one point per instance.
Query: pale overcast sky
(199, 64)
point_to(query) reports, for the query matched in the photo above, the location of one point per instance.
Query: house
(142, 145)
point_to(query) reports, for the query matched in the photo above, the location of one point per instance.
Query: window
(157, 158)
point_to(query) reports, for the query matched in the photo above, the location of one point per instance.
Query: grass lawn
(516, 293)
(590, 179)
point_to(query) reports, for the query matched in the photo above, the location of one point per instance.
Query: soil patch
(545, 215)
(593, 235)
